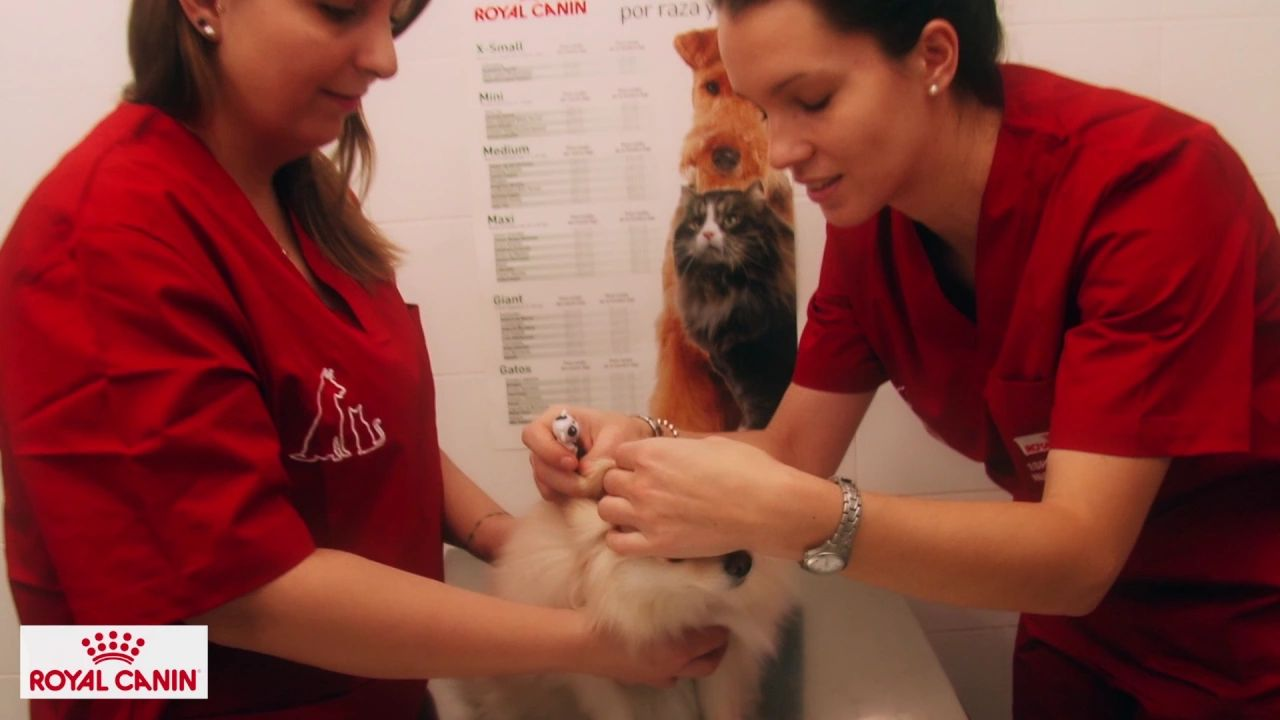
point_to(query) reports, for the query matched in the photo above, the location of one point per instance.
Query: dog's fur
(725, 149)
(557, 558)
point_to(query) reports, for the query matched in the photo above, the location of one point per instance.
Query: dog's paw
(591, 479)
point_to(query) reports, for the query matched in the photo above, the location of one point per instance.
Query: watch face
(825, 563)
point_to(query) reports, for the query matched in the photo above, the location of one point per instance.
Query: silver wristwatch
(833, 555)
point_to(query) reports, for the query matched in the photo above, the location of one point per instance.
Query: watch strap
(840, 544)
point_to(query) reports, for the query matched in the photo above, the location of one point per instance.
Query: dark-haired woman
(215, 407)
(1079, 288)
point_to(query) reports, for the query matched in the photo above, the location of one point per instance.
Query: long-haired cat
(735, 269)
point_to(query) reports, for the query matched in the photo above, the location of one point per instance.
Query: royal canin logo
(104, 648)
(108, 648)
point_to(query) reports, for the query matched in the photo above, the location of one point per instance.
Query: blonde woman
(217, 408)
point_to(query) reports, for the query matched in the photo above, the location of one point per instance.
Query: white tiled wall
(62, 63)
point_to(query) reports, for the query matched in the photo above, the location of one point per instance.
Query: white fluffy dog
(557, 558)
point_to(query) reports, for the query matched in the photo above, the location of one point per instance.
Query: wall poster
(636, 249)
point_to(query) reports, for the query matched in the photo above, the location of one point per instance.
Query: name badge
(1035, 450)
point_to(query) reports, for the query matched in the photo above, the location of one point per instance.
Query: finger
(591, 480)
(617, 481)
(596, 452)
(558, 481)
(542, 443)
(600, 447)
(628, 542)
(616, 511)
(626, 453)
(701, 666)
(715, 656)
(547, 492)
(709, 646)
(708, 641)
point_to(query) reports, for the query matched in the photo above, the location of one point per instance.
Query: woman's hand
(696, 653)
(701, 498)
(556, 467)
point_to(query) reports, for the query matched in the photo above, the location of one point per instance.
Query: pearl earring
(934, 90)
(206, 29)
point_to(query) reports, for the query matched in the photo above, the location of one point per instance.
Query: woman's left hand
(692, 498)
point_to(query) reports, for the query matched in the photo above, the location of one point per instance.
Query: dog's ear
(698, 48)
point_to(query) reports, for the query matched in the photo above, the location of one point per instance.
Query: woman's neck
(952, 178)
(251, 163)
(252, 167)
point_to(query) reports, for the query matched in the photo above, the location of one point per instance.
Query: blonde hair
(173, 71)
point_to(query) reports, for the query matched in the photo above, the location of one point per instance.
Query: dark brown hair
(896, 25)
(173, 71)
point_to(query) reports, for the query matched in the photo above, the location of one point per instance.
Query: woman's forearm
(997, 555)
(344, 613)
(474, 521)
(1056, 556)
(1027, 557)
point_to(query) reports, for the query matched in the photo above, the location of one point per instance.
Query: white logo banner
(114, 661)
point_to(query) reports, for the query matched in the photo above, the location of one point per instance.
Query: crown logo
(112, 646)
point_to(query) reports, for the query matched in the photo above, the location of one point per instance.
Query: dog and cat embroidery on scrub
(339, 430)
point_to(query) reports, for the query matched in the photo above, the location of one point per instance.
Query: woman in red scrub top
(1075, 286)
(216, 408)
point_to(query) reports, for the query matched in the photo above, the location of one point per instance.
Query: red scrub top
(1127, 303)
(183, 418)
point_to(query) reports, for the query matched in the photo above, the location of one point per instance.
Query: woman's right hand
(556, 467)
(695, 654)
